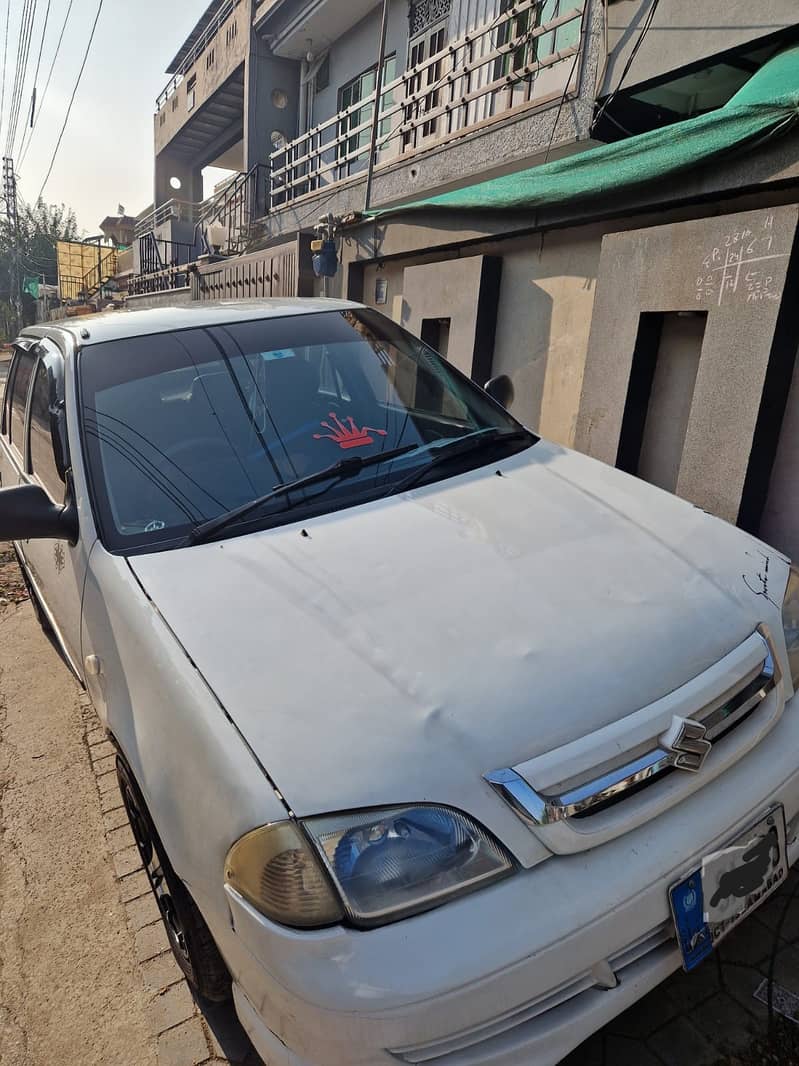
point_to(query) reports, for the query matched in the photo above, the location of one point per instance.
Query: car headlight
(790, 623)
(382, 865)
(387, 864)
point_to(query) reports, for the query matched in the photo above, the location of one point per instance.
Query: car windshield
(182, 427)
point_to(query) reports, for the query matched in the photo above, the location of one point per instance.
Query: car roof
(123, 324)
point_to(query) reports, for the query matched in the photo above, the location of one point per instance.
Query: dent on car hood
(396, 651)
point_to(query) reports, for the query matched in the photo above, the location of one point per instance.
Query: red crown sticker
(348, 435)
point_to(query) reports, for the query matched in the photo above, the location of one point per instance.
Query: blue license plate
(730, 884)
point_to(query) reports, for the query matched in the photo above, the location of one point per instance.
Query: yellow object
(83, 268)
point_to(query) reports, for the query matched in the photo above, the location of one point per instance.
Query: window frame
(53, 361)
(23, 346)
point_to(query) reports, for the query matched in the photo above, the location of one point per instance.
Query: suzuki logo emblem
(688, 742)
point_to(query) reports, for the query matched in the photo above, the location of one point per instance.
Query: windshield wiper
(344, 468)
(472, 442)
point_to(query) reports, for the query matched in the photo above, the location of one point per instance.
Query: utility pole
(381, 62)
(10, 196)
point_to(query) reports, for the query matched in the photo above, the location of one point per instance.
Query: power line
(72, 98)
(25, 147)
(23, 51)
(5, 59)
(630, 60)
(38, 64)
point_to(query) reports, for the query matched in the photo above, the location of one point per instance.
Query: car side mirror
(501, 389)
(28, 513)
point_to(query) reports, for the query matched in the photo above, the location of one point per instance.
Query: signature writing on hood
(762, 578)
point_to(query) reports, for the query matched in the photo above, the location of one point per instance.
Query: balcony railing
(197, 49)
(507, 66)
(177, 210)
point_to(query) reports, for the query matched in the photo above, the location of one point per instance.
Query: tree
(40, 226)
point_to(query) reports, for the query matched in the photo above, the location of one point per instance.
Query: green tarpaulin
(31, 287)
(767, 106)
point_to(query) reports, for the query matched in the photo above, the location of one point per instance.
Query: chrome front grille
(683, 745)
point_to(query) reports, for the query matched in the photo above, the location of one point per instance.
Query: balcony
(205, 95)
(492, 75)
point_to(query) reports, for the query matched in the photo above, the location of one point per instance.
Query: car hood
(396, 651)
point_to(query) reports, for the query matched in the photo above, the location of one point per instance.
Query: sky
(106, 156)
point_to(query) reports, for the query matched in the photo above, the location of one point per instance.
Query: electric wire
(38, 65)
(72, 98)
(25, 147)
(27, 29)
(17, 67)
(5, 60)
(630, 60)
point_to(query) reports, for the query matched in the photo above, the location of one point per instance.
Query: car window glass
(42, 446)
(181, 427)
(19, 395)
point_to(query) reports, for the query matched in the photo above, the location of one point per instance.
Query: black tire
(189, 936)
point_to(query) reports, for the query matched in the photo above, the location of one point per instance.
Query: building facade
(649, 323)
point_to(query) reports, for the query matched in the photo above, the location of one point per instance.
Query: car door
(56, 568)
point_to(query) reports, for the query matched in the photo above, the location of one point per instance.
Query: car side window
(45, 446)
(23, 370)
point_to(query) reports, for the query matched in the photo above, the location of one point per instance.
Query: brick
(773, 914)
(748, 945)
(106, 765)
(679, 1044)
(150, 941)
(183, 1046)
(741, 982)
(100, 752)
(160, 972)
(619, 1051)
(171, 1006)
(723, 1023)
(646, 1016)
(687, 990)
(133, 886)
(96, 736)
(121, 838)
(114, 819)
(108, 783)
(110, 801)
(786, 969)
(127, 862)
(142, 911)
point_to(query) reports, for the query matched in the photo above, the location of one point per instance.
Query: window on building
(322, 79)
(517, 30)
(210, 58)
(23, 368)
(162, 118)
(191, 86)
(231, 33)
(355, 130)
(421, 49)
(174, 103)
(43, 448)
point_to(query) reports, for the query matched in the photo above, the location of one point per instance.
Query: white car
(441, 743)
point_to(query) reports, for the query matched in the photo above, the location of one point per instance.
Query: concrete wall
(685, 32)
(780, 522)
(227, 57)
(734, 267)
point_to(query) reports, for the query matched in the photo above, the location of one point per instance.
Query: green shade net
(31, 287)
(767, 106)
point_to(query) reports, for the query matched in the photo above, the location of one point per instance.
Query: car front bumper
(515, 973)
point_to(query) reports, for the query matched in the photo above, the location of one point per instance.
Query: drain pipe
(376, 116)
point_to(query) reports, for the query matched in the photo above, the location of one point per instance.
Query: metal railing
(196, 51)
(510, 64)
(237, 205)
(156, 254)
(162, 281)
(177, 210)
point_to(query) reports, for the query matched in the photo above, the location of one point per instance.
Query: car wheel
(189, 936)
